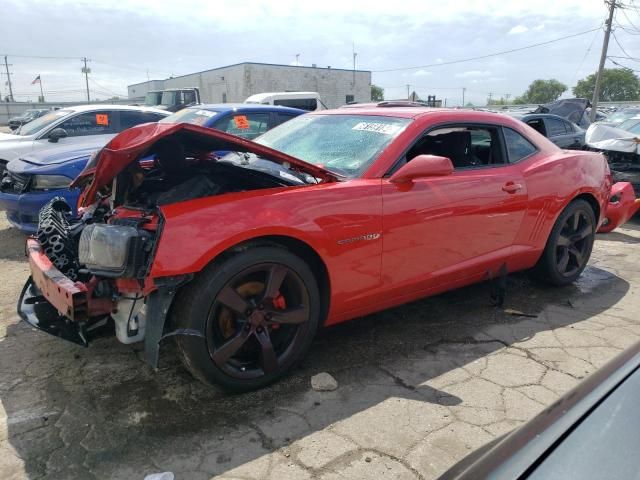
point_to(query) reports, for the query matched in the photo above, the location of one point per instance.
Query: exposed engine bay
(108, 249)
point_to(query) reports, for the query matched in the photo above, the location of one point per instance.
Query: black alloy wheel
(574, 243)
(258, 310)
(255, 319)
(569, 245)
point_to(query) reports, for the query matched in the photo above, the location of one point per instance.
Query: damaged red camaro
(240, 258)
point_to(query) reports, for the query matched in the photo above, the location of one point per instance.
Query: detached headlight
(112, 250)
(49, 182)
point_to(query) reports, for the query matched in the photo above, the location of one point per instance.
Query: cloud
(473, 74)
(537, 28)
(421, 73)
(518, 29)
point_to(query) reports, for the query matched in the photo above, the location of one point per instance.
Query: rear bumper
(620, 211)
(23, 208)
(55, 304)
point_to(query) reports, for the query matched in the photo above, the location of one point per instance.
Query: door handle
(511, 187)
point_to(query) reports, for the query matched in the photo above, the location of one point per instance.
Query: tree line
(617, 85)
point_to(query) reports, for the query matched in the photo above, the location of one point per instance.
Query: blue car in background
(32, 180)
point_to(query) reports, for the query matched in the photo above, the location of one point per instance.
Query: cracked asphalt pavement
(420, 386)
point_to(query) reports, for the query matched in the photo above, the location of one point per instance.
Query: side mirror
(56, 134)
(422, 166)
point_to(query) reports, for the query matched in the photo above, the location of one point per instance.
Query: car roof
(261, 96)
(102, 106)
(225, 107)
(410, 110)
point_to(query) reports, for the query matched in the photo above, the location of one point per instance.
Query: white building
(234, 83)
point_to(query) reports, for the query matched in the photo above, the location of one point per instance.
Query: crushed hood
(571, 109)
(605, 137)
(129, 145)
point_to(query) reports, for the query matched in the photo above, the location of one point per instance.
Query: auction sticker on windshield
(377, 127)
(206, 113)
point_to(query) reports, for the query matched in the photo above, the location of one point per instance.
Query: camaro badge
(368, 236)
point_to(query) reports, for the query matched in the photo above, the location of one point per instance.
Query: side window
(90, 123)
(281, 118)
(538, 125)
(466, 146)
(309, 104)
(518, 147)
(189, 97)
(555, 127)
(568, 127)
(247, 125)
(131, 118)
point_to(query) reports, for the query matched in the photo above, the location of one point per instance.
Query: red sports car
(330, 216)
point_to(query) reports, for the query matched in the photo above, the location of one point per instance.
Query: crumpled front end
(89, 276)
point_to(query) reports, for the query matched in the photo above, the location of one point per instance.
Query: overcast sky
(170, 37)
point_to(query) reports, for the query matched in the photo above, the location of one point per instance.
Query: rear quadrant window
(518, 147)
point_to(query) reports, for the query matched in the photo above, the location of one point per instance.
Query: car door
(441, 229)
(97, 122)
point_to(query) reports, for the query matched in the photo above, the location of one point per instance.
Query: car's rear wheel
(259, 311)
(569, 245)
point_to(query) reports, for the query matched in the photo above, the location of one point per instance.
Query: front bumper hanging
(53, 303)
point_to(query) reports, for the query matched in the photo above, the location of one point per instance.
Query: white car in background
(309, 101)
(71, 125)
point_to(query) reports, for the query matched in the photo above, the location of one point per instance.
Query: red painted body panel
(384, 244)
(620, 211)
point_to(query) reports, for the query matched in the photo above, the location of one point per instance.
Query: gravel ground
(420, 386)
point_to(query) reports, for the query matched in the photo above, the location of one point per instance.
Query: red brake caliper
(279, 303)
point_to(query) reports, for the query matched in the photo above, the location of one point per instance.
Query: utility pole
(507, 96)
(408, 87)
(464, 89)
(603, 58)
(86, 72)
(297, 57)
(490, 96)
(7, 65)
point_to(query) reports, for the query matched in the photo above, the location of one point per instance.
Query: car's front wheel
(569, 245)
(258, 309)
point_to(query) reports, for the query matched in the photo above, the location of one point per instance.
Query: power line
(585, 56)
(622, 66)
(633, 59)
(618, 43)
(628, 19)
(106, 89)
(495, 54)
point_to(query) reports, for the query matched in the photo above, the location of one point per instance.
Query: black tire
(569, 245)
(264, 342)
